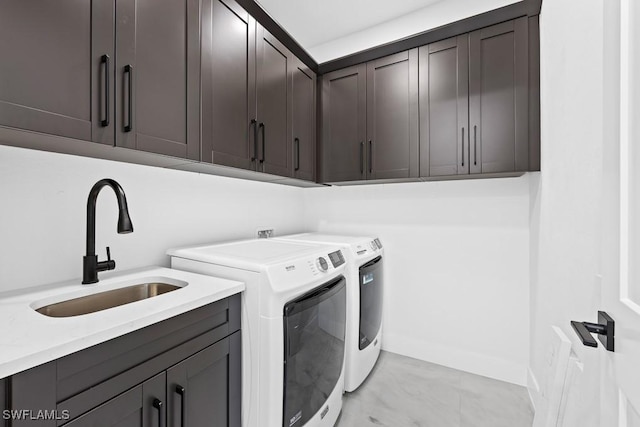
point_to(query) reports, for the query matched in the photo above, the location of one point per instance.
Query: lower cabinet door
(3, 395)
(141, 406)
(204, 390)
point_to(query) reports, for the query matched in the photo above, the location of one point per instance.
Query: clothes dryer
(364, 300)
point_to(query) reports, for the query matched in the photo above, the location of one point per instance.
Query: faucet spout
(91, 266)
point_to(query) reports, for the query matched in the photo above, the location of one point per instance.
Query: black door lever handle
(584, 334)
(605, 328)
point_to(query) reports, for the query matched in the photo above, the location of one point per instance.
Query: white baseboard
(533, 389)
(475, 363)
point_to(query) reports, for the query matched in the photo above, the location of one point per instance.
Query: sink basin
(104, 300)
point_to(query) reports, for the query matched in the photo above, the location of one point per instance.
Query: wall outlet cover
(265, 233)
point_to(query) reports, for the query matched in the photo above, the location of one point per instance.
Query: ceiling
(329, 29)
(315, 22)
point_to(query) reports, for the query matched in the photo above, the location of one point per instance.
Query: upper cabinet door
(274, 67)
(304, 130)
(157, 75)
(392, 116)
(52, 75)
(498, 98)
(344, 118)
(228, 85)
(444, 107)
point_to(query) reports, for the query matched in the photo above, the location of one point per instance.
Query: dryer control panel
(322, 264)
(337, 259)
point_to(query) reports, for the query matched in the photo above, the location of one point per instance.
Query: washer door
(314, 327)
(370, 301)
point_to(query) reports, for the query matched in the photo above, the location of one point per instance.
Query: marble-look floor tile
(406, 392)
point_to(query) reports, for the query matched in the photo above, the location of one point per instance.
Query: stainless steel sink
(104, 300)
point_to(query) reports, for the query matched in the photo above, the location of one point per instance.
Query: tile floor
(405, 392)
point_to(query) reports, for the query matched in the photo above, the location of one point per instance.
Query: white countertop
(29, 339)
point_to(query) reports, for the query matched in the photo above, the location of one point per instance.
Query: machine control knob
(322, 264)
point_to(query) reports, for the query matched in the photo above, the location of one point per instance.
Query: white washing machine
(293, 326)
(364, 301)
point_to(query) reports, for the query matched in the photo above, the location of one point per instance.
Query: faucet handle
(109, 264)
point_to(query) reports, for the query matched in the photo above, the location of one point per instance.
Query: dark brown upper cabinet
(157, 69)
(474, 102)
(444, 107)
(344, 121)
(274, 69)
(57, 61)
(258, 99)
(303, 103)
(392, 116)
(498, 98)
(228, 85)
(370, 120)
(64, 78)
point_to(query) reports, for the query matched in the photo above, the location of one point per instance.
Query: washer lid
(248, 254)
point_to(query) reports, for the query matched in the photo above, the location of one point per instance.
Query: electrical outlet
(266, 233)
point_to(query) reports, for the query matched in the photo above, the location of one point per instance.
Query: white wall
(43, 199)
(432, 16)
(566, 195)
(456, 266)
(457, 260)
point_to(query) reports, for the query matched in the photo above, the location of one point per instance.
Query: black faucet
(90, 264)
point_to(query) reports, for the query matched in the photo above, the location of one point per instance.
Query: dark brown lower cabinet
(3, 398)
(183, 371)
(198, 389)
(141, 406)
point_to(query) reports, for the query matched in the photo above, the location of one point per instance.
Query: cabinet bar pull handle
(104, 59)
(297, 148)
(254, 125)
(475, 145)
(462, 144)
(183, 398)
(157, 403)
(370, 156)
(264, 136)
(361, 157)
(128, 70)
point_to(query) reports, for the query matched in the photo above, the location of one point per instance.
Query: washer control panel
(337, 259)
